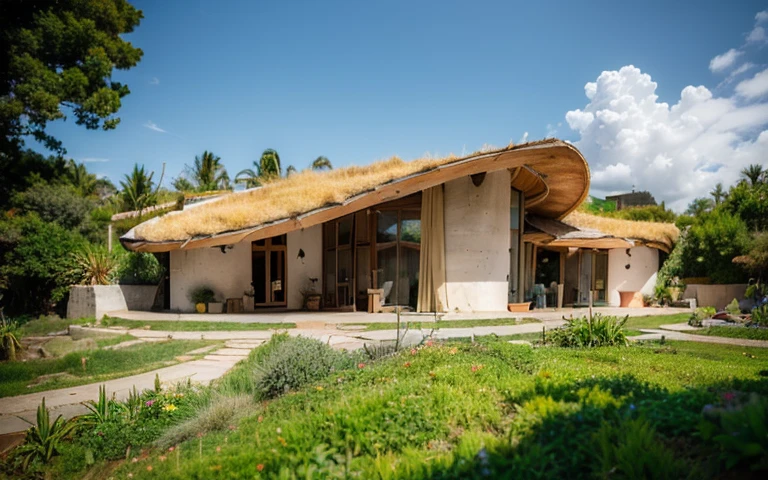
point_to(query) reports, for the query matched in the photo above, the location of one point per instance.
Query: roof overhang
(553, 174)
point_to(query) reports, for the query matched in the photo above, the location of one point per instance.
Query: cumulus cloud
(757, 35)
(724, 61)
(761, 16)
(677, 152)
(94, 160)
(754, 87)
(153, 126)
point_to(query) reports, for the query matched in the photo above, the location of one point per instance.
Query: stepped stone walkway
(68, 402)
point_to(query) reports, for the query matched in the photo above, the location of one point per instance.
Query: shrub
(9, 341)
(701, 313)
(202, 295)
(740, 430)
(582, 332)
(94, 265)
(297, 362)
(139, 268)
(760, 316)
(733, 308)
(219, 414)
(43, 439)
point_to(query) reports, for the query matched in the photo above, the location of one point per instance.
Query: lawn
(45, 325)
(493, 322)
(192, 326)
(482, 410)
(734, 332)
(100, 365)
(634, 324)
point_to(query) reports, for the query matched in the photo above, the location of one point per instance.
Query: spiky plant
(94, 266)
(43, 438)
(322, 163)
(9, 341)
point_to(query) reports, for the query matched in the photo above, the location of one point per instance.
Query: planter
(519, 307)
(215, 307)
(94, 301)
(200, 307)
(248, 303)
(139, 297)
(313, 302)
(675, 293)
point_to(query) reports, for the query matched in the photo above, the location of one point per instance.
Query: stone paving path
(69, 401)
(656, 334)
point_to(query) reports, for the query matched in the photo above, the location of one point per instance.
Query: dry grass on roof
(650, 232)
(288, 197)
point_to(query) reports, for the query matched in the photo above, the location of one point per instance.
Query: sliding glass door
(398, 248)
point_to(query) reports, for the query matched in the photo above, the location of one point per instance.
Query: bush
(221, 413)
(202, 295)
(139, 268)
(760, 316)
(701, 313)
(94, 265)
(582, 332)
(740, 430)
(711, 244)
(297, 362)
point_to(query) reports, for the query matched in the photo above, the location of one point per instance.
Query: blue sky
(358, 81)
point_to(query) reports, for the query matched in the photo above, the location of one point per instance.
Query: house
(434, 234)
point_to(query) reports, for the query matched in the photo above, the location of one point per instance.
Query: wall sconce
(224, 248)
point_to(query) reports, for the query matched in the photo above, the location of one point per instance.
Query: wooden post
(109, 237)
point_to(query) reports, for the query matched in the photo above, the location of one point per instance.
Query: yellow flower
(319, 388)
(170, 407)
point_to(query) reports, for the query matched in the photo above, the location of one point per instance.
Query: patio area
(303, 318)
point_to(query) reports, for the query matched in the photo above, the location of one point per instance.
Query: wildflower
(282, 441)
(453, 351)
(170, 449)
(170, 407)
(413, 351)
(130, 475)
(260, 467)
(729, 396)
(407, 364)
(215, 468)
(632, 406)
(432, 374)
(232, 428)
(279, 430)
(135, 459)
(149, 468)
(149, 403)
(218, 449)
(199, 434)
(545, 374)
(319, 388)
(162, 458)
(429, 343)
(475, 368)
(260, 419)
(361, 365)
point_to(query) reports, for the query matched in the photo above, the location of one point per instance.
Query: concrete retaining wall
(95, 301)
(640, 277)
(139, 297)
(717, 296)
(477, 243)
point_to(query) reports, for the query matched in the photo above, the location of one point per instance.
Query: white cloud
(524, 138)
(676, 152)
(94, 160)
(723, 61)
(153, 126)
(154, 81)
(761, 17)
(754, 87)
(757, 35)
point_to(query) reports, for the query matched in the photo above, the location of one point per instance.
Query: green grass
(493, 322)
(634, 324)
(113, 340)
(482, 410)
(101, 365)
(45, 325)
(193, 326)
(734, 332)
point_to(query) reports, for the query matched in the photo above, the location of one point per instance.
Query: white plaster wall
(228, 274)
(641, 276)
(95, 301)
(477, 243)
(299, 271)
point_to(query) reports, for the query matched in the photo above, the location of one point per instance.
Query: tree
(21, 170)
(718, 193)
(57, 55)
(321, 163)
(78, 176)
(57, 204)
(268, 168)
(290, 170)
(699, 206)
(208, 173)
(137, 191)
(181, 184)
(104, 188)
(712, 243)
(754, 173)
(750, 202)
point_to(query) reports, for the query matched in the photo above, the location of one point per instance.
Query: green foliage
(295, 363)
(754, 173)
(647, 213)
(749, 201)
(710, 246)
(581, 332)
(62, 54)
(701, 313)
(44, 438)
(752, 333)
(662, 294)
(94, 265)
(202, 294)
(733, 308)
(56, 203)
(267, 168)
(139, 268)
(759, 316)
(740, 430)
(101, 410)
(181, 184)
(208, 173)
(598, 205)
(35, 263)
(24, 169)
(137, 190)
(9, 340)
(700, 206)
(321, 163)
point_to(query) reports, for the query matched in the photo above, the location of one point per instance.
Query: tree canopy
(207, 173)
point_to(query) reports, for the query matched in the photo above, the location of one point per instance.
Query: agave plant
(9, 341)
(95, 266)
(43, 438)
(100, 410)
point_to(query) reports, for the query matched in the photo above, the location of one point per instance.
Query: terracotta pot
(519, 307)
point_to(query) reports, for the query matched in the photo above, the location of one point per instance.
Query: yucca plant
(9, 341)
(95, 266)
(100, 410)
(43, 438)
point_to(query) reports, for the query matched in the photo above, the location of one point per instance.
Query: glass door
(268, 272)
(398, 249)
(600, 277)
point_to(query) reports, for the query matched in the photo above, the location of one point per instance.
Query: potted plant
(204, 297)
(311, 297)
(248, 299)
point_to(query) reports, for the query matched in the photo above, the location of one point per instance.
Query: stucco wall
(299, 271)
(717, 296)
(95, 301)
(477, 243)
(640, 277)
(229, 274)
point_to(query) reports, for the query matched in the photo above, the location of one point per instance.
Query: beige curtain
(432, 291)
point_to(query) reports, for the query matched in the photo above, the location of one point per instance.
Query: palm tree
(268, 168)
(77, 175)
(754, 173)
(209, 173)
(181, 184)
(291, 169)
(322, 162)
(699, 206)
(137, 191)
(718, 193)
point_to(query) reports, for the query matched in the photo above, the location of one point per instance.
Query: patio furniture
(235, 305)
